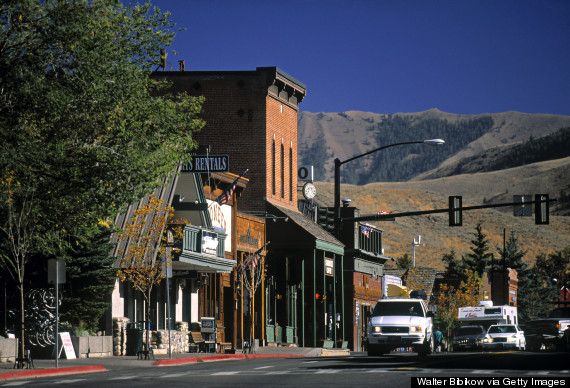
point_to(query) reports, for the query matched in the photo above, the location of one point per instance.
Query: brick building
(252, 117)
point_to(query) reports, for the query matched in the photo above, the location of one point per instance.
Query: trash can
(134, 338)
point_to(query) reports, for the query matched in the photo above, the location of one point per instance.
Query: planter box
(8, 349)
(93, 346)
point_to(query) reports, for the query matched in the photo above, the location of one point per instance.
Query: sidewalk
(45, 367)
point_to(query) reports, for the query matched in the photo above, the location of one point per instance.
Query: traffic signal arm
(381, 217)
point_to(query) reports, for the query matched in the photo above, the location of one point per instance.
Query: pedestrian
(438, 336)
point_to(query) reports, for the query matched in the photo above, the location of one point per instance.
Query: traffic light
(325, 218)
(541, 216)
(319, 297)
(455, 212)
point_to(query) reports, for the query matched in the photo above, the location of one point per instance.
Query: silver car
(504, 337)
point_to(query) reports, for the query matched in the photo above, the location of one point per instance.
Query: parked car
(468, 338)
(504, 337)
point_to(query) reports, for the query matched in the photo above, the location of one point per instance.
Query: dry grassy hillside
(438, 237)
(348, 133)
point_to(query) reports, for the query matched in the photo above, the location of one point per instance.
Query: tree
(19, 223)
(90, 280)
(84, 130)
(454, 268)
(143, 250)
(450, 299)
(250, 273)
(541, 284)
(511, 255)
(479, 260)
(404, 262)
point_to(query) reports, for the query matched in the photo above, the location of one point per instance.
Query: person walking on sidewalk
(438, 336)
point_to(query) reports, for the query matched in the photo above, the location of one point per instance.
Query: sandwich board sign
(66, 345)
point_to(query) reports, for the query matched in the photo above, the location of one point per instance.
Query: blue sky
(460, 56)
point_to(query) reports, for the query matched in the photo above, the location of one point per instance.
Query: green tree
(541, 283)
(511, 256)
(454, 268)
(404, 262)
(479, 259)
(90, 279)
(84, 130)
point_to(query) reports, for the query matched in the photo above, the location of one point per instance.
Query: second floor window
(273, 167)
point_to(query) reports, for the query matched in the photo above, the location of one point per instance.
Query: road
(394, 370)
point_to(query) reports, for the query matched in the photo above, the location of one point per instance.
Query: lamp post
(338, 163)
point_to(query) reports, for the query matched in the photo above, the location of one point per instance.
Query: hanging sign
(329, 267)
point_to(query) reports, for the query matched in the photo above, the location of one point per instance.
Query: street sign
(56, 271)
(208, 163)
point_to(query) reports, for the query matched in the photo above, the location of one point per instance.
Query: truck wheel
(427, 348)
(376, 350)
(533, 346)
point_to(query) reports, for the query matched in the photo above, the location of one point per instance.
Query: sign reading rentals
(208, 163)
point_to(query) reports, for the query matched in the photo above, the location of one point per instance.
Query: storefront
(305, 278)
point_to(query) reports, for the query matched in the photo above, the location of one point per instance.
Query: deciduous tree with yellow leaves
(450, 299)
(143, 249)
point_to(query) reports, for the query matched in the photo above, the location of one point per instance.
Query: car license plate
(394, 340)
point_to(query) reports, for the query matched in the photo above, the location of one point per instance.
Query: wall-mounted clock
(309, 190)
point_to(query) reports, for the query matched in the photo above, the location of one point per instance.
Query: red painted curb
(252, 356)
(23, 374)
(223, 357)
(175, 361)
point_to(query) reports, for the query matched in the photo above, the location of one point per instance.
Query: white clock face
(309, 191)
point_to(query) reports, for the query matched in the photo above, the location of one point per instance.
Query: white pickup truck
(397, 323)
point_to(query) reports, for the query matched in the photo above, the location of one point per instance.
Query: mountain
(486, 159)
(325, 136)
(438, 236)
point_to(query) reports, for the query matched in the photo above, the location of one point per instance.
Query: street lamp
(338, 163)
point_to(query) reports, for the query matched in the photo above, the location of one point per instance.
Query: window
(290, 174)
(273, 167)
(282, 172)
(397, 309)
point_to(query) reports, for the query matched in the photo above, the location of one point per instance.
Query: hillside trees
(83, 128)
(402, 163)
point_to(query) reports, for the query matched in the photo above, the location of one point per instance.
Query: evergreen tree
(480, 259)
(404, 262)
(90, 281)
(454, 269)
(540, 284)
(511, 256)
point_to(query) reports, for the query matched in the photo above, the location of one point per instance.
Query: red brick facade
(246, 112)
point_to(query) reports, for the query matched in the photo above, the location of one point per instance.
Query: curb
(220, 357)
(22, 374)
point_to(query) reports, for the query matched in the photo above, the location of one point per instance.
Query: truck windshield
(398, 309)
